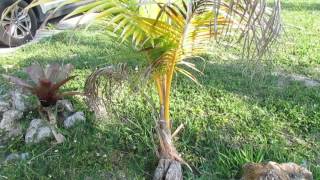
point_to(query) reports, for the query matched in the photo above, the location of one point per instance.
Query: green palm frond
(189, 23)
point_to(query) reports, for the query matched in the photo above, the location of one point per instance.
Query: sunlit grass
(230, 120)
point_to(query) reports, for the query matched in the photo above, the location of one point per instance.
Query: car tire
(21, 28)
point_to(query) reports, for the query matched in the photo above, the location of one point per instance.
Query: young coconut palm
(45, 85)
(171, 32)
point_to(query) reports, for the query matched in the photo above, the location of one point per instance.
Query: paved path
(44, 33)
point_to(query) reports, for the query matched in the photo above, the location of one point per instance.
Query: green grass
(230, 120)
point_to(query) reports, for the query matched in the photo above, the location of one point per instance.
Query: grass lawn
(230, 120)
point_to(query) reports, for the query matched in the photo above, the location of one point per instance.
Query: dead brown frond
(101, 85)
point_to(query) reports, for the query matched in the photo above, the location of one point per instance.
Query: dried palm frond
(110, 78)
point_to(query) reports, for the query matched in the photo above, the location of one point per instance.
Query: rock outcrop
(275, 171)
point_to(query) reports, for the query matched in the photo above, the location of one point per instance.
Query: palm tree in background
(172, 32)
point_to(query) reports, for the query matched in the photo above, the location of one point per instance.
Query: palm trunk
(169, 166)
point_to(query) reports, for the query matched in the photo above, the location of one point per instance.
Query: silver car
(18, 28)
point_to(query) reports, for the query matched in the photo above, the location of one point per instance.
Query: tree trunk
(168, 169)
(169, 166)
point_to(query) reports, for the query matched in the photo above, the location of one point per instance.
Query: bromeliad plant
(171, 32)
(45, 85)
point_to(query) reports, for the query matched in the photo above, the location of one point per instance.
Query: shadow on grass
(274, 92)
(81, 49)
(241, 120)
(88, 153)
(224, 117)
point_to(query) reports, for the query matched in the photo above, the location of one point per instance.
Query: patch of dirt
(285, 78)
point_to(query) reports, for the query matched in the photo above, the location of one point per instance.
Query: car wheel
(16, 27)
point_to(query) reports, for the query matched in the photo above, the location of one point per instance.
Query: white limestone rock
(18, 101)
(10, 125)
(65, 105)
(74, 119)
(17, 156)
(4, 106)
(38, 131)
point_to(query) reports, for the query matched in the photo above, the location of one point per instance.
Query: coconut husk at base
(168, 169)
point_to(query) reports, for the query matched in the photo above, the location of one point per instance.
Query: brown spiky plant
(45, 84)
(172, 31)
